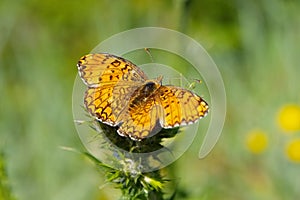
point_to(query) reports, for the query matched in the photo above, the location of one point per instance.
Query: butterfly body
(144, 92)
(120, 94)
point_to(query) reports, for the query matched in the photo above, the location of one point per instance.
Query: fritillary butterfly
(120, 94)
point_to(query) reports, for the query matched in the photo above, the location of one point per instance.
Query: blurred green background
(255, 44)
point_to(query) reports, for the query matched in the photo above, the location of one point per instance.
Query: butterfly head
(149, 87)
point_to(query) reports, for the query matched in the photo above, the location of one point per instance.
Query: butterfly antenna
(180, 79)
(149, 53)
(192, 85)
(159, 79)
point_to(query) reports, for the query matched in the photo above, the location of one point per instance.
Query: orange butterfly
(120, 94)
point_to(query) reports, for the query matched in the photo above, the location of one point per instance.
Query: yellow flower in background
(288, 118)
(293, 150)
(257, 141)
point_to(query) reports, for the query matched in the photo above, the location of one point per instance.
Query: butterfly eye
(150, 85)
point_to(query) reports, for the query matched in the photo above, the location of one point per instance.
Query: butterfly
(120, 95)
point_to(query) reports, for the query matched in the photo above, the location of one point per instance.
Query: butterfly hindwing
(179, 106)
(140, 121)
(105, 103)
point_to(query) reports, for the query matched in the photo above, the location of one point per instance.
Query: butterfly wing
(111, 80)
(105, 69)
(106, 103)
(140, 120)
(179, 106)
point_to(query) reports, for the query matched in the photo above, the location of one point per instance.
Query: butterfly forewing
(106, 69)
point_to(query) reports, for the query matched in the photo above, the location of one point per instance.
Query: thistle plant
(131, 172)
